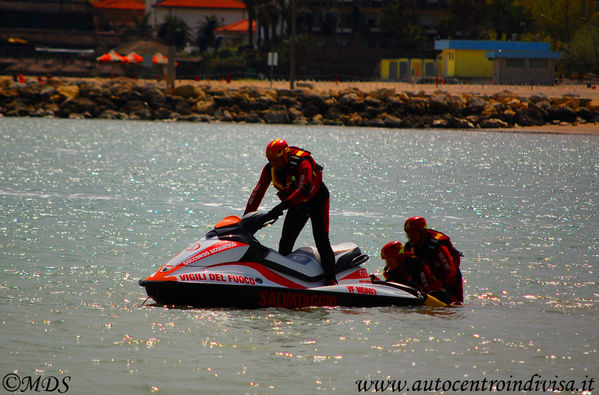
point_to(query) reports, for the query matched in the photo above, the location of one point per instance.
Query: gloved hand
(277, 211)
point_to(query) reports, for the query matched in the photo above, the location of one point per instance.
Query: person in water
(410, 272)
(434, 249)
(298, 179)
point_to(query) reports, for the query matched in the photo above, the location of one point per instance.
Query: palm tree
(205, 34)
(268, 15)
(142, 26)
(251, 7)
(174, 31)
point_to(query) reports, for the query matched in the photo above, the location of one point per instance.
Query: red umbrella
(110, 57)
(133, 58)
(159, 58)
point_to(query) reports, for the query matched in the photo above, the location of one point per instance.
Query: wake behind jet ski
(228, 267)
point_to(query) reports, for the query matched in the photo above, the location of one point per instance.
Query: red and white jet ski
(229, 268)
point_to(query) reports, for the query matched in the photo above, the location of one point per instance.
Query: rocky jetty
(128, 99)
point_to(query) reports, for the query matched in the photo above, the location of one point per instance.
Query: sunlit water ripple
(87, 208)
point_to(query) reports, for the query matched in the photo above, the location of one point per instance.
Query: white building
(193, 12)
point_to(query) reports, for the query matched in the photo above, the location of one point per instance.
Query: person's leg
(319, 215)
(295, 219)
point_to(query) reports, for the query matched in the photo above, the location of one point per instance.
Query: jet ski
(229, 267)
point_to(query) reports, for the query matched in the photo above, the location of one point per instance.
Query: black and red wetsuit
(443, 260)
(300, 186)
(412, 272)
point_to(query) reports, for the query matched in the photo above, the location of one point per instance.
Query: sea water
(89, 207)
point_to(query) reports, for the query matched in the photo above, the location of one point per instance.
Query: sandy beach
(578, 90)
(592, 129)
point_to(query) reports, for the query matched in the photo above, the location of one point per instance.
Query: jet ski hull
(228, 267)
(182, 294)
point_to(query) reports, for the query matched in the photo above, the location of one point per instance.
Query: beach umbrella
(159, 58)
(110, 57)
(133, 58)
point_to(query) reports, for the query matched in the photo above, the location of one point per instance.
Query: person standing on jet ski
(298, 178)
(435, 250)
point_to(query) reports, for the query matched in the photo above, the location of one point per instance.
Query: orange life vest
(287, 181)
(428, 254)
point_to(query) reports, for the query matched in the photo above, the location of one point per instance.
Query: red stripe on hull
(267, 273)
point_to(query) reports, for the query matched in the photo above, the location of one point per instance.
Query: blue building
(504, 62)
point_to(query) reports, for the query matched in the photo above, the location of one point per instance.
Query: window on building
(515, 62)
(539, 63)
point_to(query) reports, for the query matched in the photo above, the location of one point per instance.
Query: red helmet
(416, 223)
(390, 248)
(276, 149)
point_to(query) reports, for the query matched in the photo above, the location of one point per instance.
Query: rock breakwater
(128, 99)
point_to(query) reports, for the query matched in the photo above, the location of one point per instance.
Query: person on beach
(298, 179)
(410, 272)
(435, 250)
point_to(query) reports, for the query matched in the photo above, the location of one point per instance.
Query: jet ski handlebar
(255, 221)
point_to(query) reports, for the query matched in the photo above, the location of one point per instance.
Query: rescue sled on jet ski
(228, 267)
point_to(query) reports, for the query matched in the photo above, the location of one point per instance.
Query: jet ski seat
(347, 255)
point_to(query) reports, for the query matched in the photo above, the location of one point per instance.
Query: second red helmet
(277, 149)
(415, 223)
(392, 248)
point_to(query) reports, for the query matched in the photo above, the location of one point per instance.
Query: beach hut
(395, 69)
(502, 61)
(524, 67)
(429, 67)
(416, 69)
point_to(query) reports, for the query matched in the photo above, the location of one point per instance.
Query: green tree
(397, 23)
(270, 13)
(583, 55)
(141, 27)
(464, 19)
(506, 17)
(205, 36)
(174, 31)
(559, 20)
(562, 22)
(251, 7)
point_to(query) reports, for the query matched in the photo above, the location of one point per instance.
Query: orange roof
(234, 4)
(121, 5)
(238, 27)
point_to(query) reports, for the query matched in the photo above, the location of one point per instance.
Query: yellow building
(468, 58)
(405, 69)
(395, 69)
